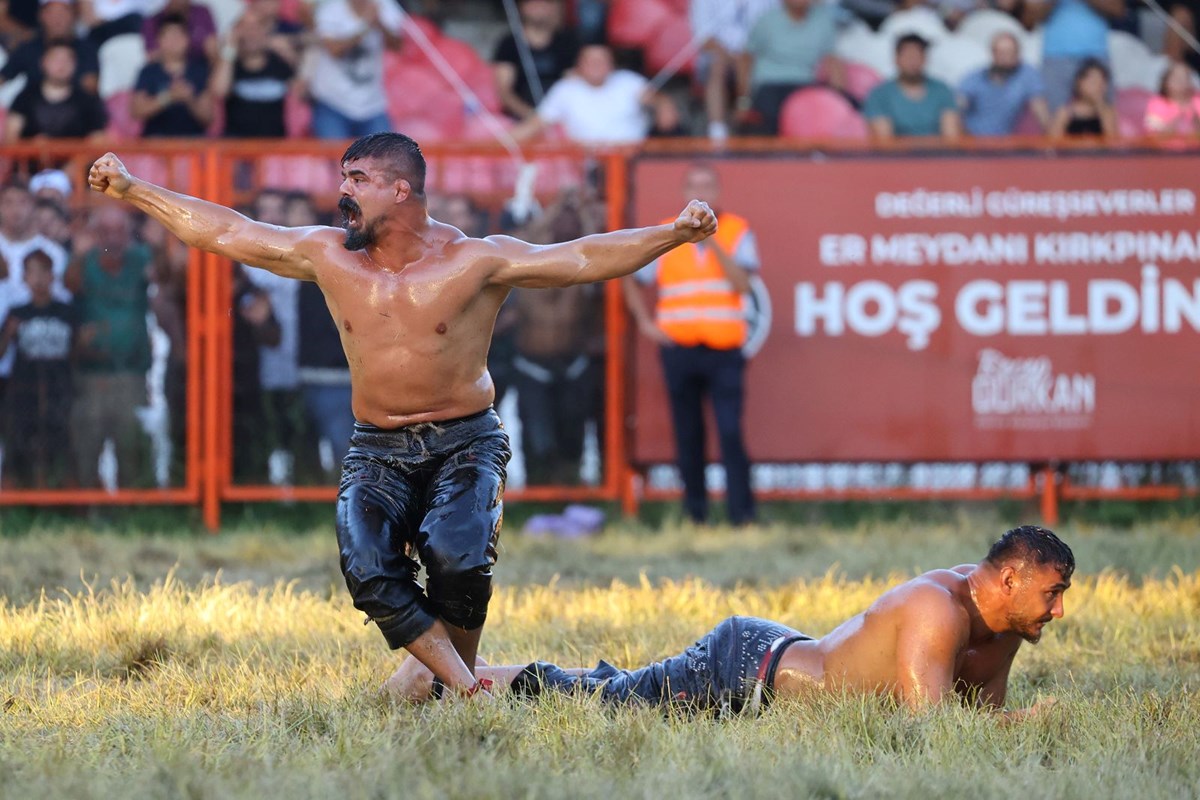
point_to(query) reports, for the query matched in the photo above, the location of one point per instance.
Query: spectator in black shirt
(54, 106)
(553, 51)
(253, 82)
(18, 21)
(171, 96)
(56, 20)
(37, 402)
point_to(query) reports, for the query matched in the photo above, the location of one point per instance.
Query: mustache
(348, 206)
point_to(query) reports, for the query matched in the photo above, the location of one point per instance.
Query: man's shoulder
(934, 596)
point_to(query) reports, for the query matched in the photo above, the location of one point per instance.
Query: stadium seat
(121, 124)
(634, 23)
(955, 57)
(1027, 124)
(670, 41)
(982, 26)
(860, 79)
(313, 174)
(1131, 110)
(121, 59)
(1133, 65)
(224, 12)
(297, 116)
(920, 20)
(817, 113)
(858, 44)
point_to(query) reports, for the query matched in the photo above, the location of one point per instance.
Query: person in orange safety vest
(699, 322)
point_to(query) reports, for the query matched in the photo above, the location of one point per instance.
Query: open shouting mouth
(351, 213)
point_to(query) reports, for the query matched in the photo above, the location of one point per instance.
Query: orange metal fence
(217, 170)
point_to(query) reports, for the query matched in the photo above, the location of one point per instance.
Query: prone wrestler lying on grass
(946, 634)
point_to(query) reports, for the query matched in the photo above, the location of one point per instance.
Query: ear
(403, 190)
(1008, 579)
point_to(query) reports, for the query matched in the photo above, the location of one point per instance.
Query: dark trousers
(691, 373)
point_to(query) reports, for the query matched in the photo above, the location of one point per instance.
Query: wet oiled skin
(416, 335)
(862, 654)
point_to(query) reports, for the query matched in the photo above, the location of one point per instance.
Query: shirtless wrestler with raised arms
(415, 301)
(950, 633)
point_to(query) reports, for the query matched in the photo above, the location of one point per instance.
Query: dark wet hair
(912, 38)
(46, 202)
(173, 19)
(1087, 66)
(38, 258)
(1035, 544)
(395, 149)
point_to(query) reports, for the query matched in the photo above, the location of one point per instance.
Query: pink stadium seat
(670, 40)
(1028, 125)
(860, 79)
(817, 113)
(297, 116)
(121, 124)
(1131, 110)
(634, 23)
(313, 174)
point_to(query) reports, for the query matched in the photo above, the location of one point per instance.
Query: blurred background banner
(957, 308)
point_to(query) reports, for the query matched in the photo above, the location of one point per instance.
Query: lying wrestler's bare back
(416, 304)
(920, 640)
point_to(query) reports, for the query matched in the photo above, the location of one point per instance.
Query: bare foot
(412, 682)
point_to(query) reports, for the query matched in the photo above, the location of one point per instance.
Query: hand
(181, 91)
(256, 309)
(654, 333)
(109, 176)
(83, 241)
(696, 222)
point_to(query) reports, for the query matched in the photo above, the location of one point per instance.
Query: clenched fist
(696, 222)
(109, 176)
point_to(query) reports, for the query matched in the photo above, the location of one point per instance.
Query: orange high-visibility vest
(697, 305)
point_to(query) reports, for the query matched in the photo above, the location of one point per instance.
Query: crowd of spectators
(84, 292)
(328, 68)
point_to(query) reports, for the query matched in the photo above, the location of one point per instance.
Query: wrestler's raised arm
(597, 257)
(285, 251)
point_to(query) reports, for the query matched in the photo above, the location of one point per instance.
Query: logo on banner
(758, 316)
(1027, 394)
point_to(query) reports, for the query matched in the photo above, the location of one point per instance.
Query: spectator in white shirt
(599, 104)
(346, 81)
(724, 27)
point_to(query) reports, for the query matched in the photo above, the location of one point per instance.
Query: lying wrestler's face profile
(1035, 598)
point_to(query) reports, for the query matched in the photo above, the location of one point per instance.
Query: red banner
(953, 309)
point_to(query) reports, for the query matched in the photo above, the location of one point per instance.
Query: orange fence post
(616, 191)
(212, 366)
(1049, 495)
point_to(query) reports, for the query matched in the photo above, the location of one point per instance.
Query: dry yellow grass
(186, 683)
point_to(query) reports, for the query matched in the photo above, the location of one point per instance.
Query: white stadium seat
(984, 24)
(954, 57)
(225, 13)
(121, 59)
(920, 20)
(1133, 64)
(861, 45)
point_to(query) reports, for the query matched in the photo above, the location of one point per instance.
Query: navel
(441, 327)
(346, 325)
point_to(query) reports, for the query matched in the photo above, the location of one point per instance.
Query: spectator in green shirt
(912, 104)
(110, 276)
(785, 49)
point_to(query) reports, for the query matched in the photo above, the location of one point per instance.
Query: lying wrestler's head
(379, 172)
(1034, 569)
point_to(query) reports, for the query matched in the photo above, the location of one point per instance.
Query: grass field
(179, 665)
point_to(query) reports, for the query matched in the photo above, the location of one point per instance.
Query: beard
(1029, 629)
(361, 236)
